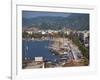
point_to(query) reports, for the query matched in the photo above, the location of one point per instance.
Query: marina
(47, 53)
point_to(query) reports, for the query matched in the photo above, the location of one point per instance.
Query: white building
(29, 32)
(38, 58)
(43, 32)
(67, 31)
(84, 36)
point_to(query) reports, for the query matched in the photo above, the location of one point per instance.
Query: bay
(37, 48)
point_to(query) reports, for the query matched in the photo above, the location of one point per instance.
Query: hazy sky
(31, 14)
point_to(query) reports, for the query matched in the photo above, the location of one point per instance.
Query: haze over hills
(73, 21)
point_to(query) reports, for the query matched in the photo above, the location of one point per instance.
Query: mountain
(74, 21)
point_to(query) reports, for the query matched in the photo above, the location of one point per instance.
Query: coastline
(63, 47)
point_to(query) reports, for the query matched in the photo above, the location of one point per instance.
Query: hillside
(74, 21)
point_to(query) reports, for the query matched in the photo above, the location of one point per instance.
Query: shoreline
(37, 39)
(61, 45)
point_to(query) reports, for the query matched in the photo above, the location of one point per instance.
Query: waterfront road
(75, 53)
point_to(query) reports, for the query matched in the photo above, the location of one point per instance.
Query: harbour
(50, 53)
